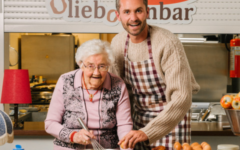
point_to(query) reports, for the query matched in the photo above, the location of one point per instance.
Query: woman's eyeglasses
(92, 67)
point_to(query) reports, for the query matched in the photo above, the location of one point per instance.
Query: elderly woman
(93, 94)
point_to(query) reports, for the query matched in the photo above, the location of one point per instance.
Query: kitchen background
(209, 60)
(207, 55)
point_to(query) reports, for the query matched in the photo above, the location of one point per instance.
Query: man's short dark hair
(118, 4)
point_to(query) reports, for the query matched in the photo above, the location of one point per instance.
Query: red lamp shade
(16, 88)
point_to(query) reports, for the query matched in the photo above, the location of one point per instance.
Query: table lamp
(16, 90)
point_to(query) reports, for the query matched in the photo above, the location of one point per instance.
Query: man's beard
(140, 30)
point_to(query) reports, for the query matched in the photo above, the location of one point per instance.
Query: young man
(153, 62)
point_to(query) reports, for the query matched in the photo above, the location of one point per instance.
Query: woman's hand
(83, 137)
(132, 138)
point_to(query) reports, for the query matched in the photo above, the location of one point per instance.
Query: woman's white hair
(93, 47)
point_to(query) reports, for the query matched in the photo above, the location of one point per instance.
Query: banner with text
(160, 11)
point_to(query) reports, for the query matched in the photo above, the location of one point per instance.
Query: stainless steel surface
(226, 127)
(200, 114)
(33, 116)
(214, 113)
(95, 144)
(41, 95)
(217, 113)
(38, 116)
(43, 87)
(208, 126)
(217, 109)
(200, 105)
(209, 64)
(221, 118)
(234, 120)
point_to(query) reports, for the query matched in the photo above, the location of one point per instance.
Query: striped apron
(149, 99)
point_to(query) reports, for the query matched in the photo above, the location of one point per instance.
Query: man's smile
(134, 25)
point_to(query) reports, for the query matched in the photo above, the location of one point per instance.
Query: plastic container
(18, 147)
(227, 147)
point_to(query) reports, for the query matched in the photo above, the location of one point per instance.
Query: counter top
(198, 129)
(210, 129)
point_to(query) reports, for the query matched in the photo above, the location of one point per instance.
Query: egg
(207, 147)
(186, 146)
(197, 149)
(194, 144)
(177, 146)
(159, 148)
(204, 144)
(122, 145)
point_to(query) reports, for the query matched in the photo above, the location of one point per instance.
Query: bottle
(36, 79)
(40, 79)
(18, 147)
(32, 79)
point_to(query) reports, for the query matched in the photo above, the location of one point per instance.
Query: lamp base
(18, 126)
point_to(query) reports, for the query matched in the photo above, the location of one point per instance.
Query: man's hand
(132, 138)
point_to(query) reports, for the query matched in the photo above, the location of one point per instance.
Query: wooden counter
(198, 129)
(32, 128)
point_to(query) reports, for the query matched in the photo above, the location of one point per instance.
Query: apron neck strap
(148, 43)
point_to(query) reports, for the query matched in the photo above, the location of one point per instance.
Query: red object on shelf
(16, 88)
(235, 58)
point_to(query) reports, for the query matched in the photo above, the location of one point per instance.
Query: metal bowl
(234, 120)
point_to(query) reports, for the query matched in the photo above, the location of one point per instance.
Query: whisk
(95, 144)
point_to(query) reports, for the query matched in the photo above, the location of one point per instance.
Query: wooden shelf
(32, 128)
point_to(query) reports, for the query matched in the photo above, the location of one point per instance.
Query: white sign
(161, 11)
(171, 11)
(91, 11)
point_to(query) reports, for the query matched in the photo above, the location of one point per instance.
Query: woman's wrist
(71, 136)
